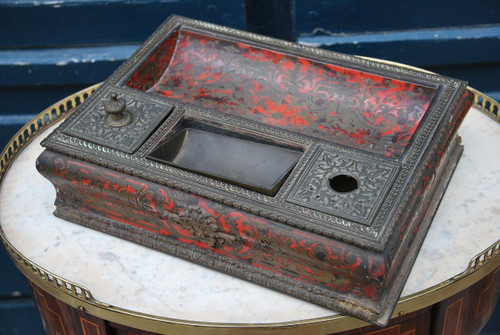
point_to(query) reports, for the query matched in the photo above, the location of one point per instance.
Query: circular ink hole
(343, 183)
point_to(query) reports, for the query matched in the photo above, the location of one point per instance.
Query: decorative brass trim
(479, 260)
(31, 270)
(42, 121)
(486, 104)
(80, 297)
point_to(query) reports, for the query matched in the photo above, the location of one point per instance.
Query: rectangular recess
(237, 158)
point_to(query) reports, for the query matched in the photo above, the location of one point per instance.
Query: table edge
(81, 298)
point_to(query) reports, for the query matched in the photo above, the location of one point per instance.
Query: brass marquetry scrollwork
(80, 297)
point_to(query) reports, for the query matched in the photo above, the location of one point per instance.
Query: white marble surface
(123, 274)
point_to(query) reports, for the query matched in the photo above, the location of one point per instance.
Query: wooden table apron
(461, 305)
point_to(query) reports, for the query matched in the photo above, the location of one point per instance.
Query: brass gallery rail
(81, 298)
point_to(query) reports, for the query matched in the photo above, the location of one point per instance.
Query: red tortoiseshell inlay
(261, 243)
(345, 106)
(153, 68)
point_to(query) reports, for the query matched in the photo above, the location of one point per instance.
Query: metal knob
(116, 115)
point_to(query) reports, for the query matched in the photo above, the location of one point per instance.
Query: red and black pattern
(152, 69)
(267, 245)
(334, 103)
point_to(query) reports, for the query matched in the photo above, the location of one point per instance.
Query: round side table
(86, 282)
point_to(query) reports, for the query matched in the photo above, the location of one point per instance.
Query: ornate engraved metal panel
(344, 185)
(146, 115)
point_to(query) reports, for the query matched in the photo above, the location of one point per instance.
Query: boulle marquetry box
(310, 172)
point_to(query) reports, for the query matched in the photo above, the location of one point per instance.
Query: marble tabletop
(123, 274)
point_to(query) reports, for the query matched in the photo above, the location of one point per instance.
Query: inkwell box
(310, 172)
